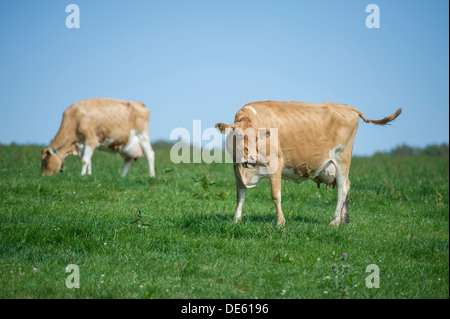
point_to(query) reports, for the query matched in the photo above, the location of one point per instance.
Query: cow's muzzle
(248, 165)
(250, 162)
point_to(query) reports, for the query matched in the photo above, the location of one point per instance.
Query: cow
(314, 142)
(105, 124)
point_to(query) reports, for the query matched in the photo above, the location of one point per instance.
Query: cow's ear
(45, 152)
(221, 127)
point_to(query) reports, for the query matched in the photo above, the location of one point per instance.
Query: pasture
(174, 237)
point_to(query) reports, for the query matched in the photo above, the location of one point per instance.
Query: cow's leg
(89, 168)
(342, 163)
(344, 216)
(126, 166)
(240, 195)
(275, 185)
(240, 198)
(86, 159)
(343, 187)
(144, 141)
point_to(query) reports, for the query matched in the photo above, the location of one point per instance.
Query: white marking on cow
(255, 179)
(251, 109)
(336, 151)
(241, 199)
(86, 160)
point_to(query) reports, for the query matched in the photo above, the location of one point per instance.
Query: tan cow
(104, 124)
(314, 141)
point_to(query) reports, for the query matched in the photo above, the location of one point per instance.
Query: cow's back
(109, 118)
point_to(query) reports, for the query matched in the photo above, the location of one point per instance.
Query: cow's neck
(63, 146)
(65, 139)
(63, 150)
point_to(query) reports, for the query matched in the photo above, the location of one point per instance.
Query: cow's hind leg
(344, 216)
(126, 166)
(144, 141)
(343, 187)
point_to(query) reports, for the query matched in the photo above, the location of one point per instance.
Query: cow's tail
(383, 121)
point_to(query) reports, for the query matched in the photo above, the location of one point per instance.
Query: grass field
(174, 237)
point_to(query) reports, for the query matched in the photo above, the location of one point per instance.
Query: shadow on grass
(272, 219)
(252, 225)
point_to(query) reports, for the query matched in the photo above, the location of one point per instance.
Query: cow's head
(51, 162)
(243, 142)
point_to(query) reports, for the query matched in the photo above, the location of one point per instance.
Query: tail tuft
(385, 120)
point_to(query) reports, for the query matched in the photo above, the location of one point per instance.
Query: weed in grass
(389, 190)
(222, 195)
(438, 197)
(140, 220)
(204, 181)
(282, 259)
(167, 176)
(341, 273)
(191, 267)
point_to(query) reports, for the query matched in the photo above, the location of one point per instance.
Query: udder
(133, 149)
(327, 175)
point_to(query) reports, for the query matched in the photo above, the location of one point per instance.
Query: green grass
(174, 237)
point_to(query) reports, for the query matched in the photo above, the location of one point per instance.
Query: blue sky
(203, 60)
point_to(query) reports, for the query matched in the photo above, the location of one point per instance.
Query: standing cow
(314, 141)
(104, 124)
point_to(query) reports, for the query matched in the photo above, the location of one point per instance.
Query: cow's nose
(253, 158)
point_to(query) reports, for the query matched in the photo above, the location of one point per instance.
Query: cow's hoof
(335, 222)
(281, 222)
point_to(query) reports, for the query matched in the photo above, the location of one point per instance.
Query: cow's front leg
(86, 160)
(275, 184)
(240, 198)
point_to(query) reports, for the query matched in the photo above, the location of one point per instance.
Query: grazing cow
(314, 141)
(104, 124)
